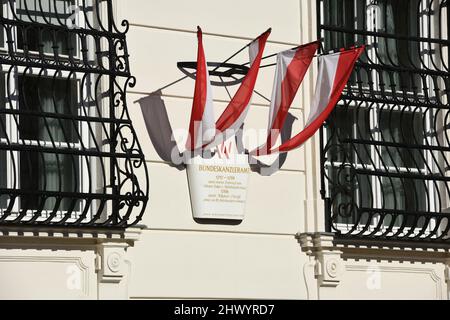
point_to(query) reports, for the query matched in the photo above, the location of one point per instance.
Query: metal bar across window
(70, 156)
(385, 149)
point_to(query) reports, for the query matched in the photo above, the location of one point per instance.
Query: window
(348, 14)
(349, 123)
(49, 40)
(69, 155)
(3, 159)
(48, 171)
(385, 151)
(38, 95)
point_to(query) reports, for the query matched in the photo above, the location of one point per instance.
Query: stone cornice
(57, 237)
(329, 254)
(380, 250)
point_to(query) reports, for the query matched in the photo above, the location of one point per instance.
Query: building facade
(92, 208)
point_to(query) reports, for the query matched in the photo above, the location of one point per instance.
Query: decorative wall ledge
(333, 263)
(93, 261)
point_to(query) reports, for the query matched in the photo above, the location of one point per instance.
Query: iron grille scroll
(69, 155)
(385, 150)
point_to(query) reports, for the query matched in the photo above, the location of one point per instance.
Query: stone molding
(331, 259)
(112, 267)
(328, 263)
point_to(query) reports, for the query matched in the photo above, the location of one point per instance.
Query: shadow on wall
(286, 133)
(160, 132)
(158, 127)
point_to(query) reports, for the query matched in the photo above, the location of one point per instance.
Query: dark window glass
(351, 195)
(47, 171)
(3, 178)
(342, 13)
(38, 94)
(349, 128)
(378, 163)
(399, 17)
(35, 38)
(2, 28)
(402, 128)
(3, 168)
(405, 195)
(2, 107)
(349, 15)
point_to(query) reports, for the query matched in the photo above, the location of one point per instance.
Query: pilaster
(326, 259)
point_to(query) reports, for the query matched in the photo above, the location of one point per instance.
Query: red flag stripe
(344, 69)
(285, 91)
(243, 95)
(200, 92)
(202, 123)
(295, 73)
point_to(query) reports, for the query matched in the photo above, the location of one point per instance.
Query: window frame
(374, 128)
(12, 85)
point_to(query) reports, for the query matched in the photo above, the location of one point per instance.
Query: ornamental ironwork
(69, 155)
(385, 150)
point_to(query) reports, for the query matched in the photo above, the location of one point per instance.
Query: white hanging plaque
(218, 186)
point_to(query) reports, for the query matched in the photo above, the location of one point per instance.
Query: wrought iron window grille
(385, 172)
(69, 155)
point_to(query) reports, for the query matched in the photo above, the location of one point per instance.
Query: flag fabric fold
(203, 131)
(232, 118)
(291, 68)
(334, 71)
(202, 122)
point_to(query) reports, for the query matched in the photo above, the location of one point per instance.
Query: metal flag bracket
(221, 70)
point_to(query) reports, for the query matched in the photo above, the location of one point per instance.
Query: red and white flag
(290, 70)
(202, 123)
(232, 118)
(334, 71)
(203, 132)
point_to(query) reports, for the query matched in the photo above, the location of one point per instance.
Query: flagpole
(274, 54)
(239, 51)
(295, 48)
(236, 53)
(217, 67)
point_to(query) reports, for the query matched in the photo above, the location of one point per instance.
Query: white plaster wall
(177, 257)
(259, 258)
(190, 264)
(54, 272)
(391, 280)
